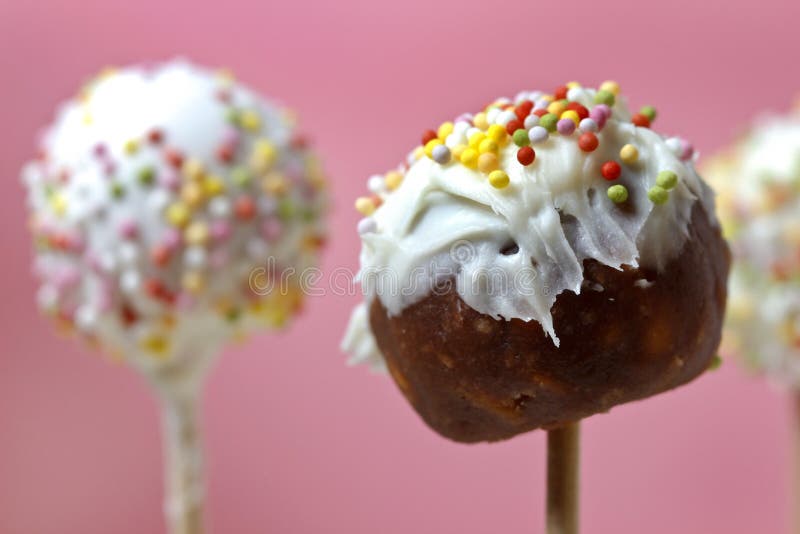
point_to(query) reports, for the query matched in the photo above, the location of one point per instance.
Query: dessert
(537, 262)
(163, 201)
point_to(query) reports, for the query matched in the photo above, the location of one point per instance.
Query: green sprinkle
(657, 195)
(232, 115)
(617, 193)
(233, 314)
(649, 112)
(520, 137)
(667, 179)
(604, 97)
(146, 175)
(715, 364)
(241, 176)
(286, 209)
(117, 190)
(548, 122)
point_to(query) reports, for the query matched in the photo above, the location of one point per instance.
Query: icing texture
(509, 202)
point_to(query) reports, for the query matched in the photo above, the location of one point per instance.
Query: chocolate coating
(474, 378)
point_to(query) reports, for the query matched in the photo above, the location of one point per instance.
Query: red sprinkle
(641, 120)
(427, 136)
(513, 126)
(526, 155)
(225, 153)
(579, 109)
(588, 142)
(540, 113)
(160, 255)
(173, 157)
(244, 207)
(561, 92)
(523, 109)
(155, 136)
(610, 170)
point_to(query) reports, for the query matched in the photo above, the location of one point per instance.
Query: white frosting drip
(758, 180)
(445, 220)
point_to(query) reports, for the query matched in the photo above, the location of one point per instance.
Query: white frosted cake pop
(758, 184)
(560, 179)
(164, 201)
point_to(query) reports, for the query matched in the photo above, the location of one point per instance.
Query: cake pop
(537, 262)
(163, 201)
(758, 180)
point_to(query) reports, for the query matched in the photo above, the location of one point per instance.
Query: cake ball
(539, 261)
(758, 180)
(164, 200)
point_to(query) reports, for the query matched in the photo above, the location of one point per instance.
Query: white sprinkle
(538, 134)
(588, 125)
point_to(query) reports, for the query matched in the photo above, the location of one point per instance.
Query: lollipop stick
(796, 460)
(183, 458)
(562, 479)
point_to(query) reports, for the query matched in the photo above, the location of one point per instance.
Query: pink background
(297, 442)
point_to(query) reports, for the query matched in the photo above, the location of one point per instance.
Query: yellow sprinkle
(610, 86)
(629, 154)
(193, 169)
(193, 282)
(250, 120)
(469, 158)
(480, 121)
(58, 203)
(87, 118)
(429, 146)
(476, 138)
(487, 162)
(265, 152)
(569, 114)
(444, 130)
(497, 133)
(213, 186)
(418, 153)
(393, 179)
(499, 179)
(457, 151)
(156, 344)
(196, 233)
(131, 147)
(178, 214)
(557, 108)
(365, 206)
(547, 98)
(488, 145)
(192, 194)
(572, 85)
(275, 184)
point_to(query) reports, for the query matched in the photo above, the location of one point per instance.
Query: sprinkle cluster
(477, 141)
(137, 236)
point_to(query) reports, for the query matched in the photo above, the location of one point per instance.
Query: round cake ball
(758, 182)
(164, 203)
(538, 262)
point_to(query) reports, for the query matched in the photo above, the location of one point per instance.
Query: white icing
(758, 180)
(91, 284)
(446, 220)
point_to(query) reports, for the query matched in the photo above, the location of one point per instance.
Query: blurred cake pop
(163, 202)
(758, 184)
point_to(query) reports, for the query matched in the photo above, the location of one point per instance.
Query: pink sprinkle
(565, 126)
(271, 229)
(171, 239)
(220, 230)
(128, 229)
(231, 137)
(169, 179)
(687, 150)
(184, 301)
(100, 150)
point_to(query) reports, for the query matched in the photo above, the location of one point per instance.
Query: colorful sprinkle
(617, 193)
(499, 179)
(526, 155)
(657, 195)
(667, 180)
(610, 170)
(629, 154)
